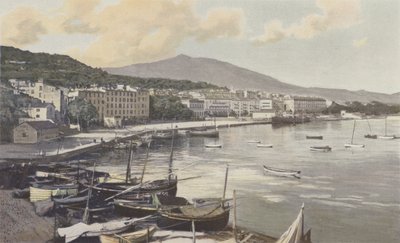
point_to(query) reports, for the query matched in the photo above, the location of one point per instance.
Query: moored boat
(351, 144)
(254, 141)
(261, 145)
(137, 236)
(282, 172)
(314, 137)
(39, 192)
(321, 148)
(387, 137)
(371, 136)
(213, 145)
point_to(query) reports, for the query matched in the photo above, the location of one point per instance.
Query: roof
(308, 98)
(40, 125)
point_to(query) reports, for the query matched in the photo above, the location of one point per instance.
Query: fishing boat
(351, 144)
(137, 236)
(386, 136)
(39, 192)
(261, 145)
(321, 148)
(71, 201)
(213, 145)
(315, 137)
(209, 217)
(147, 204)
(92, 230)
(295, 233)
(282, 172)
(370, 135)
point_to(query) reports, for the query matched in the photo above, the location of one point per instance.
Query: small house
(35, 131)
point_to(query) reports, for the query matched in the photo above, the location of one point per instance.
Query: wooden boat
(371, 136)
(206, 133)
(213, 145)
(40, 192)
(282, 172)
(148, 204)
(321, 148)
(295, 233)
(137, 236)
(75, 201)
(261, 145)
(210, 217)
(351, 144)
(314, 137)
(84, 230)
(253, 141)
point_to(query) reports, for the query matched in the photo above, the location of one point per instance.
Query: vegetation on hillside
(373, 108)
(62, 70)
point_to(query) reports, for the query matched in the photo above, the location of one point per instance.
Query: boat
(79, 230)
(208, 217)
(321, 148)
(314, 137)
(213, 145)
(121, 146)
(295, 233)
(282, 172)
(137, 236)
(351, 144)
(370, 136)
(39, 192)
(253, 141)
(147, 205)
(386, 136)
(261, 145)
(168, 134)
(71, 201)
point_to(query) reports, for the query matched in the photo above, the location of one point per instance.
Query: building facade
(43, 111)
(122, 102)
(35, 131)
(195, 105)
(304, 104)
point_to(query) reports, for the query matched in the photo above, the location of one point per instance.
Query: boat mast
(369, 125)
(385, 126)
(128, 166)
(171, 156)
(226, 182)
(86, 213)
(145, 163)
(354, 128)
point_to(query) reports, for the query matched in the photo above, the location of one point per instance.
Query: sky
(345, 44)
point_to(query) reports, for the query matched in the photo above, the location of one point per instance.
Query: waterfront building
(121, 102)
(299, 104)
(195, 105)
(35, 131)
(264, 115)
(42, 111)
(265, 104)
(48, 94)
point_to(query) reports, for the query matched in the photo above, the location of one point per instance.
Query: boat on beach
(137, 236)
(281, 172)
(321, 148)
(39, 192)
(314, 137)
(262, 145)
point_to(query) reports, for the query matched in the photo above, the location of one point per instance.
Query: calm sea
(350, 195)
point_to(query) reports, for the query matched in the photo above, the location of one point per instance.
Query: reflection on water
(350, 195)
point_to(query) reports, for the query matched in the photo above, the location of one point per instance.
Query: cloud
(22, 26)
(130, 31)
(360, 42)
(338, 14)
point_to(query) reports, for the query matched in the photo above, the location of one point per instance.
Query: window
(37, 110)
(40, 88)
(24, 135)
(37, 116)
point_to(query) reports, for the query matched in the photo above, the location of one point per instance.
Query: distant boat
(261, 145)
(351, 144)
(314, 137)
(321, 148)
(282, 172)
(386, 136)
(295, 233)
(253, 141)
(370, 136)
(138, 236)
(213, 145)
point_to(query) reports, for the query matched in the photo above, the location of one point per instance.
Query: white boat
(282, 172)
(253, 141)
(213, 145)
(261, 145)
(295, 233)
(321, 148)
(351, 144)
(388, 137)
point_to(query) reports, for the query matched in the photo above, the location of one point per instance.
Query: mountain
(62, 70)
(228, 75)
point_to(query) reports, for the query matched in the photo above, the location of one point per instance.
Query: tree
(82, 112)
(168, 107)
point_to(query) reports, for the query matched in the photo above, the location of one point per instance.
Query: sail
(295, 232)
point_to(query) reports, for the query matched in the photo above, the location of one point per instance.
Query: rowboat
(314, 137)
(371, 136)
(321, 148)
(84, 230)
(264, 145)
(213, 145)
(282, 172)
(210, 217)
(39, 192)
(253, 141)
(137, 236)
(386, 137)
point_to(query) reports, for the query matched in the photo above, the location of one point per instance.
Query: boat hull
(386, 137)
(213, 146)
(281, 172)
(315, 137)
(264, 145)
(321, 149)
(349, 145)
(138, 236)
(46, 192)
(134, 211)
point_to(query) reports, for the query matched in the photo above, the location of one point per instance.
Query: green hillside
(62, 70)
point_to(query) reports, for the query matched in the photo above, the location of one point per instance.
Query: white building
(265, 104)
(195, 105)
(43, 111)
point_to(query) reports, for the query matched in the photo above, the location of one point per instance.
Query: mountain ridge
(225, 74)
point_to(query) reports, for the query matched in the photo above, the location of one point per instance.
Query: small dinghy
(353, 145)
(315, 137)
(386, 137)
(321, 148)
(371, 136)
(282, 172)
(253, 141)
(261, 145)
(213, 145)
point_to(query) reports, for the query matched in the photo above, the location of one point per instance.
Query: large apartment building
(121, 102)
(299, 104)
